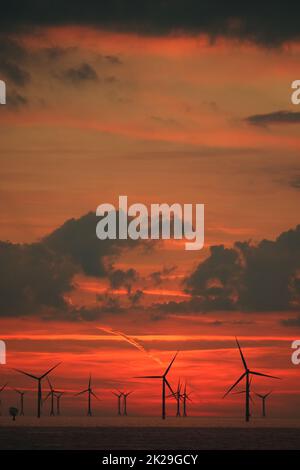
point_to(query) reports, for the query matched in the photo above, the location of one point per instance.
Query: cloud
(157, 277)
(34, 278)
(119, 278)
(77, 239)
(83, 73)
(262, 277)
(277, 117)
(262, 23)
(12, 58)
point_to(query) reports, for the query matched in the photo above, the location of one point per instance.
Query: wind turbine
(119, 396)
(52, 395)
(125, 395)
(177, 395)
(164, 384)
(263, 398)
(21, 393)
(90, 393)
(58, 396)
(185, 397)
(39, 388)
(1, 390)
(246, 375)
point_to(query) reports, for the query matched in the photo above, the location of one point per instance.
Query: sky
(162, 104)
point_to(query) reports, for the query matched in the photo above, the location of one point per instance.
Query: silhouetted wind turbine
(263, 398)
(52, 395)
(185, 397)
(39, 389)
(1, 390)
(246, 375)
(21, 393)
(164, 384)
(58, 396)
(90, 392)
(119, 396)
(177, 395)
(125, 395)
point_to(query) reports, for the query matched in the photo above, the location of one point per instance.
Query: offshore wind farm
(173, 426)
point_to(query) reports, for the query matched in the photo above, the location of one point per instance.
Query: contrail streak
(131, 341)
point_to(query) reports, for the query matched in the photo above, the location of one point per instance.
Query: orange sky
(165, 122)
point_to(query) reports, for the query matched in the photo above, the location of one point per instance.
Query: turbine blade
(48, 395)
(264, 375)
(2, 388)
(170, 365)
(80, 393)
(94, 395)
(149, 377)
(48, 371)
(49, 383)
(26, 373)
(241, 353)
(169, 386)
(90, 381)
(235, 384)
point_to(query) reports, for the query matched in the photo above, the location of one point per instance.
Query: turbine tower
(119, 396)
(164, 384)
(178, 396)
(185, 396)
(39, 387)
(58, 396)
(263, 398)
(90, 393)
(125, 395)
(52, 395)
(21, 393)
(246, 375)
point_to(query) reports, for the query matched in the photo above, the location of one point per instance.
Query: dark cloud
(158, 276)
(35, 277)
(262, 277)
(136, 296)
(77, 239)
(277, 117)
(119, 278)
(262, 23)
(12, 57)
(83, 73)
(32, 277)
